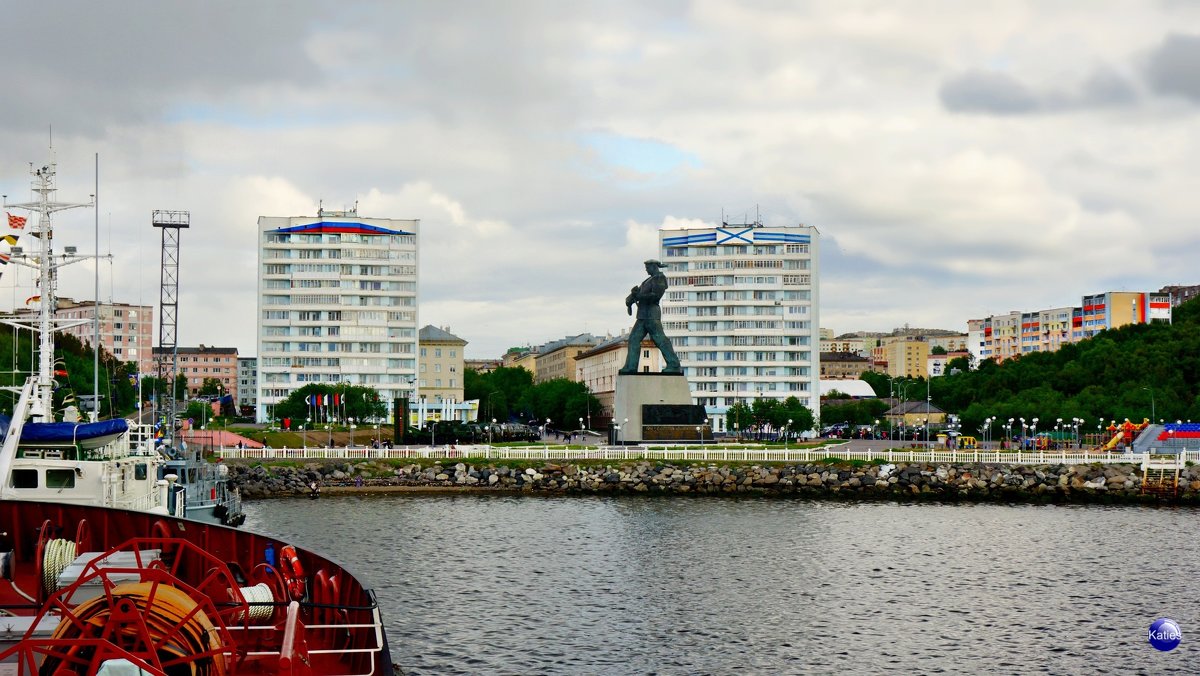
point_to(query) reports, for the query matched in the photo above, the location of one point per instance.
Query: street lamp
(352, 428)
(546, 429)
(786, 430)
(304, 431)
(490, 428)
(617, 429)
(377, 435)
(329, 430)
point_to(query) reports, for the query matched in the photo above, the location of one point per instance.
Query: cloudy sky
(959, 159)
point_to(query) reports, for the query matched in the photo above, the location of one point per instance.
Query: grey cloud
(987, 92)
(978, 91)
(84, 64)
(1106, 87)
(1174, 68)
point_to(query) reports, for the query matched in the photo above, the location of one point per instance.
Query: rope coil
(59, 554)
(258, 594)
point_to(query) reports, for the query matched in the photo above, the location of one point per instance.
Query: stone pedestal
(659, 408)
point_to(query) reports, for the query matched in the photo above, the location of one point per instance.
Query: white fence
(740, 453)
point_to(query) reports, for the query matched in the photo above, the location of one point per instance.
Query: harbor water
(505, 584)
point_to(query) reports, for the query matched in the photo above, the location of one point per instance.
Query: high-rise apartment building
(741, 313)
(126, 331)
(337, 303)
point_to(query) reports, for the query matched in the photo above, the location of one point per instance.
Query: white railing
(738, 453)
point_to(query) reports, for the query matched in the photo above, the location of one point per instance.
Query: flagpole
(96, 342)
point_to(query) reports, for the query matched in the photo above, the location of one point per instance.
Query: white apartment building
(337, 303)
(741, 312)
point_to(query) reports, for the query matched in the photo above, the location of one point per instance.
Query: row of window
(732, 250)
(437, 352)
(714, 355)
(761, 264)
(340, 269)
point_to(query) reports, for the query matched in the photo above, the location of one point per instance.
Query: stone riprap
(904, 481)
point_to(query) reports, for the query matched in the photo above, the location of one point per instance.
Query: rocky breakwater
(903, 481)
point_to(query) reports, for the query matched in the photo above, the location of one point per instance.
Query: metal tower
(168, 308)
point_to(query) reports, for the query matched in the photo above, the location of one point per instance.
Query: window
(60, 478)
(24, 478)
(423, 352)
(453, 353)
(437, 351)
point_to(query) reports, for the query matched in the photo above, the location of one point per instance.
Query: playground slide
(1113, 442)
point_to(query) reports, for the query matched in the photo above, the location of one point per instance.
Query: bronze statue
(649, 321)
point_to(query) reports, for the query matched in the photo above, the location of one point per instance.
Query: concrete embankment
(1094, 483)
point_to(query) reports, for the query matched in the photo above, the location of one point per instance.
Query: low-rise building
(557, 359)
(200, 363)
(247, 390)
(843, 365)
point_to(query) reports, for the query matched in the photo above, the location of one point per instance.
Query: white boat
(56, 457)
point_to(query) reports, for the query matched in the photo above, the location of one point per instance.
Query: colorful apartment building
(1005, 336)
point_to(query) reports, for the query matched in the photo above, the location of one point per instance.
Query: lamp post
(546, 429)
(786, 431)
(617, 430)
(329, 431)
(1152, 414)
(352, 428)
(1008, 430)
(581, 429)
(625, 424)
(304, 431)
(490, 428)
(377, 443)
(433, 433)
(875, 430)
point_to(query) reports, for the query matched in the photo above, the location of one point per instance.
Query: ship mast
(43, 186)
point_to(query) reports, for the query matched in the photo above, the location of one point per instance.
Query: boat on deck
(93, 590)
(50, 454)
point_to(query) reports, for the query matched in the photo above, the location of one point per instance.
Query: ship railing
(375, 626)
(141, 503)
(704, 453)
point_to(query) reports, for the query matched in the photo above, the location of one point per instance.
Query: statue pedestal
(658, 407)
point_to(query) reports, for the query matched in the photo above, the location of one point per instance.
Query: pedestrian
(358, 481)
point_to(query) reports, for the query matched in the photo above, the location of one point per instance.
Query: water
(493, 584)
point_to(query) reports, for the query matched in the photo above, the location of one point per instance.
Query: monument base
(657, 407)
